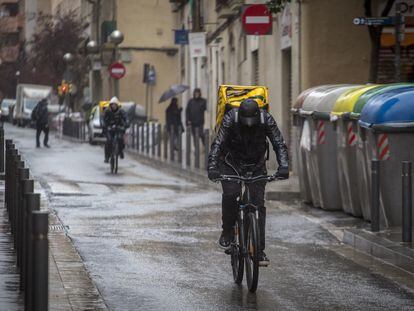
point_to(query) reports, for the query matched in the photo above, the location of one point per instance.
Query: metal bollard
(165, 141)
(10, 152)
(159, 141)
(32, 204)
(40, 293)
(27, 187)
(375, 196)
(132, 136)
(206, 147)
(16, 204)
(188, 148)
(407, 225)
(153, 139)
(197, 147)
(147, 140)
(142, 138)
(172, 142)
(1, 149)
(23, 175)
(137, 137)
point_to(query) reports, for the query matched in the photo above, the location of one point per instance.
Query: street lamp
(68, 58)
(92, 47)
(116, 37)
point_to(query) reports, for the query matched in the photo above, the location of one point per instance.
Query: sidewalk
(70, 287)
(10, 296)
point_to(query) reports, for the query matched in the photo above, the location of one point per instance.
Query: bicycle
(244, 249)
(116, 134)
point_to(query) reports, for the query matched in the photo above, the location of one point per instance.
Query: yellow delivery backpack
(230, 96)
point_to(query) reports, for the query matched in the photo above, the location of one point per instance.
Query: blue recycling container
(387, 126)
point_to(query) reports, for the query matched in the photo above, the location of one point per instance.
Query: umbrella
(173, 91)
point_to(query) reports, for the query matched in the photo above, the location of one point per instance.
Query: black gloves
(213, 174)
(282, 172)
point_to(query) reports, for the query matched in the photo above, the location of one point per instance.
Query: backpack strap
(236, 115)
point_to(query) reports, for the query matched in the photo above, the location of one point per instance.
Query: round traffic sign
(257, 20)
(117, 70)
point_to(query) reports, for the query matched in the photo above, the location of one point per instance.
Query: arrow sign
(374, 21)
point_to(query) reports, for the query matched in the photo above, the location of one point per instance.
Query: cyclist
(114, 116)
(239, 147)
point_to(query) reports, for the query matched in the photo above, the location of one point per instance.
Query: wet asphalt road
(149, 241)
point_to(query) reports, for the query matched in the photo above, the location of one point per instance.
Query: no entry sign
(117, 70)
(257, 20)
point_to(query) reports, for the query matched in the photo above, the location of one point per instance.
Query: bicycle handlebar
(268, 178)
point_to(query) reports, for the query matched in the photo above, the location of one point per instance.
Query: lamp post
(92, 49)
(116, 37)
(68, 59)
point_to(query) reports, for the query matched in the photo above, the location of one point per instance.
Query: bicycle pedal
(264, 263)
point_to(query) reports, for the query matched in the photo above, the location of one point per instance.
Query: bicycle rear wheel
(237, 260)
(252, 258)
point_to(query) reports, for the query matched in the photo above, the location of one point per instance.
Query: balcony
(228, 8)
(9, 54)
(8, 1)
(9, 24)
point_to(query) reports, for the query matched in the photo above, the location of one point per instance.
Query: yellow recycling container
(348, 175)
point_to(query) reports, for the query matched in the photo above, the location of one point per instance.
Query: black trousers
(108, 143)
(39, 129)
(199, 135)
(231, 194)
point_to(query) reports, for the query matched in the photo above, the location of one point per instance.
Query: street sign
(117, 70)
(257, 20)
(197, 42)
(374, 21)
(181, 36)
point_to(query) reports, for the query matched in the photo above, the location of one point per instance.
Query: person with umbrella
(173, 121)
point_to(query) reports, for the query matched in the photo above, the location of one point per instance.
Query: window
(242, 48)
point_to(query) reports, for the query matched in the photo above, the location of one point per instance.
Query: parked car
(6, 107)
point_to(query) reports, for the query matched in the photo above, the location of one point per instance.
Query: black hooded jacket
(247, 145)
(115, 118)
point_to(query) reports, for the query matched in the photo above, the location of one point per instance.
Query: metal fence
(74, 128)
(29, 228)
(188, 150)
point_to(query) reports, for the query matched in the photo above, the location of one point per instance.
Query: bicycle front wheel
(252, 248)
(237, 260)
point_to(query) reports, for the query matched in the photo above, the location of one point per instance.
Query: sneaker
(263, 260)
(47, 146)
(225, 239)
(106, 160)
(37, 146)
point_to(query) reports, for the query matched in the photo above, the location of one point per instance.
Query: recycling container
(363, 156)
(389, 122)
(299, 156)
(346, 145)
(321, 156)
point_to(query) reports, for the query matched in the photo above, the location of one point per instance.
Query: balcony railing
(9, 54)
(10, 24)
(228, 8)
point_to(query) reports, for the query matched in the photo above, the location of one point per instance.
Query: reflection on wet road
(149, 242)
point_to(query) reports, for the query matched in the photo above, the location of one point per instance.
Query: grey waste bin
(308, 141)
(389, 121)
(323, 153)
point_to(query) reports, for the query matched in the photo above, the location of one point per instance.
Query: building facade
(307, 47)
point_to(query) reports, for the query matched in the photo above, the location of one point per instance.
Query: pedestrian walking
(173, 121)
(40, 115)
(196, 107)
